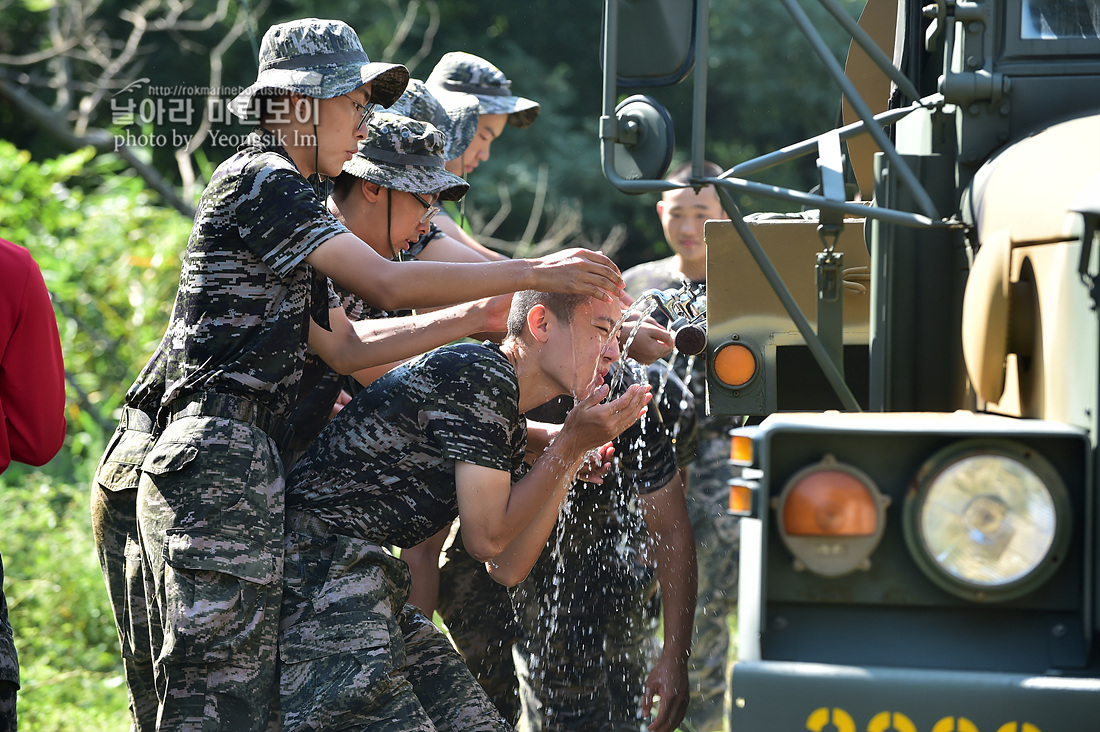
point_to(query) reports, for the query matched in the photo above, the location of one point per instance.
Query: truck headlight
(987, 520)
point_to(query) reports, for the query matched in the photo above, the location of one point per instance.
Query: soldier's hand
(591, 424)
(492, 312)
(648, 341)
(596, 464)
(667, 682)
(578, 272)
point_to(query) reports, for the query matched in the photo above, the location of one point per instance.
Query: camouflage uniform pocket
(215, 553)
(120, 467)
(217, 593)
(214, 474)
(171, 460)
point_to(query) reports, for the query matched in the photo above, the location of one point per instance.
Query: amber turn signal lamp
(831, 515)
(740, 499)
(734, 364)
(830, 503)
(741, 450)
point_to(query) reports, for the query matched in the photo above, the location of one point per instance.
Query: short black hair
(561, 305)
(682, 173)
(342, 186)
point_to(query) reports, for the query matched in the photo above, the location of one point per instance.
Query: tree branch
(99, 139)
(184, 154)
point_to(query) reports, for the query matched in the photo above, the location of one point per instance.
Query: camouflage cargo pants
(479, 617)
(9, 665)
(210, 520)
(114, 528)
(583, 659)
(716, 547)
(355, 655)
(9, 721)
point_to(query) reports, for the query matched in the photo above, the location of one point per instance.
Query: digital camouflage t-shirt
(384, 469)
(240, 321)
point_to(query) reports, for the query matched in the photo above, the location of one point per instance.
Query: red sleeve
(32, 373)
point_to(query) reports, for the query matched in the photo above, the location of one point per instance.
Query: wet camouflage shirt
(647, 455)
(383, 469)
(239, 325)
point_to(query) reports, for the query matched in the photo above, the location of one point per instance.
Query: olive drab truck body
(917, 355)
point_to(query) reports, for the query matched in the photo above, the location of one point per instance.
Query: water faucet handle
(685, 307)
(663, 299)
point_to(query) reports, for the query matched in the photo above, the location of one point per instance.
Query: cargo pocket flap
(114, 476)
(132, 447)
(169, 458)
(118, 470)
(219, 553)
(336, 635)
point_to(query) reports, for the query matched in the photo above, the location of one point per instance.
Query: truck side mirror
(655, 40)
(645, 139)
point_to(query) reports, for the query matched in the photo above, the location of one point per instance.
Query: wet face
(593, 346)
(489, 128)
(683, 212)
(339, 127)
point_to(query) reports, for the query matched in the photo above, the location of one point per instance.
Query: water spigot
(686, 310)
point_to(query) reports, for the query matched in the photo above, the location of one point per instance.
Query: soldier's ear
(539, 322)
(296, 101)
(371, 190)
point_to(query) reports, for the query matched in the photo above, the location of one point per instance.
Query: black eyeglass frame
(368, 110)
(430, 210)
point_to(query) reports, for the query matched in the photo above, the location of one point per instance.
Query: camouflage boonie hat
(459, 71)
(454, 113)
(406, 155)
(320, 59)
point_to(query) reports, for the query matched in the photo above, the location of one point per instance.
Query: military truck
(917, 353)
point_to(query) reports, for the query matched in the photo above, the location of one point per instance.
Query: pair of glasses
(367, 110)
(429, 209)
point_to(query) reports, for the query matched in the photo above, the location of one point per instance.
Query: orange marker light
(741, 450)
(740, 499)
(831, 516)
(734, 364)
(830, 503)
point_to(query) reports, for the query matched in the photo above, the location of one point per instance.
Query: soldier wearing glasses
(253, 297)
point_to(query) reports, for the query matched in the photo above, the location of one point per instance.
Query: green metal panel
(782, 697)
(892, 610)
(917, 282)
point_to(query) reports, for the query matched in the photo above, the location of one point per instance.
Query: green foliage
(766, 89)
(68, 649)
(110, 258)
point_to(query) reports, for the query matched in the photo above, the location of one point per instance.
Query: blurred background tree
(81, 72)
